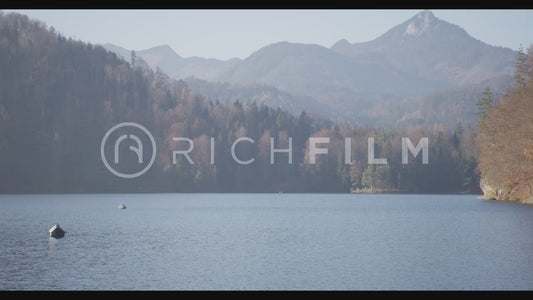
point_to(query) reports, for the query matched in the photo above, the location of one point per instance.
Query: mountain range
(385, 81)
(59, 97)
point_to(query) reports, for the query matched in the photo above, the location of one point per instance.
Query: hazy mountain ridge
(312, 70)
(260, 94)
(382, 81)
(433, 48)
(165, 58)
(454, 105)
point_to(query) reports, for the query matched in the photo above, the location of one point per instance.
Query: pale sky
(224, 34)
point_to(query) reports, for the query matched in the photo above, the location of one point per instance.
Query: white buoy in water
(56, 231)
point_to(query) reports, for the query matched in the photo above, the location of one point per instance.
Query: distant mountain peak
(424, 25)
(420, 23)
(435, 49)
(163, 50)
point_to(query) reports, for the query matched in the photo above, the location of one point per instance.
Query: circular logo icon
(137, 148)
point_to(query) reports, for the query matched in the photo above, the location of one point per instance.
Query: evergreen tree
(483, 104)
(133, 58)
(457, 133)
(520, 70)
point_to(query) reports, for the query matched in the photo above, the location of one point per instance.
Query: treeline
(506, 137)
(451, 166)
(58, 97)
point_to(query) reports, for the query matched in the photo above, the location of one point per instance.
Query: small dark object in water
(56, 231)
(122, 206)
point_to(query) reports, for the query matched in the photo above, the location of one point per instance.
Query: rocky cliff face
(493, 191)
(490, 192)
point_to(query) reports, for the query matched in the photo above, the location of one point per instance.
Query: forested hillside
(59, 96)
(506, 138)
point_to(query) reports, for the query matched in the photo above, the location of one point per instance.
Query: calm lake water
(264, 241)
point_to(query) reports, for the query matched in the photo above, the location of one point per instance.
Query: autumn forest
(60, 96)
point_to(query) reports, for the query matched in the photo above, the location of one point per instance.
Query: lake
(265, 241)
